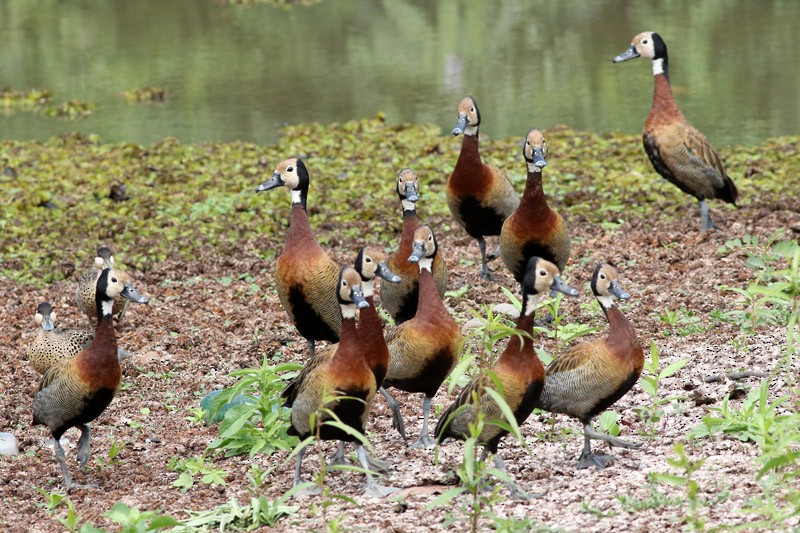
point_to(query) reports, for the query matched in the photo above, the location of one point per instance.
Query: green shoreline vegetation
(181, 194)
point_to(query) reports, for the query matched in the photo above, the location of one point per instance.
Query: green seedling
(652, 375)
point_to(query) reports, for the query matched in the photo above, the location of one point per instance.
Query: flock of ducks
(337, 305)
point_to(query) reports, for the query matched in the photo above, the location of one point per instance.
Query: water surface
(240, 72)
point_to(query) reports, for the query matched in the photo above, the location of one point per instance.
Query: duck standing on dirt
(518, 370)
(679, 153)
(305, 275)
(480, 197)
(590, 377)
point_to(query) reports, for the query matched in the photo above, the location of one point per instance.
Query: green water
(241, 72)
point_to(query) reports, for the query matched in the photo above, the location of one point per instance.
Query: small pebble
(9, 445)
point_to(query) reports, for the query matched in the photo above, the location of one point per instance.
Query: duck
(679, 153)
(52, 345)
(592, 376)
(534, 229)
(518, 371)
(84, 289)
(345, 373)
(480, 197)
(425, 349)
(370, 263)
(75, 391)
(305, 276)
(400, 299)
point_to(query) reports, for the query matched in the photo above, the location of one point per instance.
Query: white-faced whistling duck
(400, 299)
(305, 275)
(518, 369)
(370, 263)
(343, 384)
(680, 153)
(84, 290)
(480, 196)
(590, 377)
(75, 391)
(424, 349)
(534, 229)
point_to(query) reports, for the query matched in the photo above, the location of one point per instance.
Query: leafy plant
(655, 500)
(609, 422)
(132, 520)
(111, 456)
(773, 297)
(260, 423)
(689, 322)
(191, 467)
(258, 512)
(650, 379)
(52, 499)
(687, 468)
(72, 520)
(474, 474)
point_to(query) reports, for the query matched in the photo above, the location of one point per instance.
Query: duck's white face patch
(531, 303)
(471, 130)
(658, 66)
(368, 287)
(108, 306)
(426, 263)
(349, 311)
(606, 301)
(297, 197)
(409, 205)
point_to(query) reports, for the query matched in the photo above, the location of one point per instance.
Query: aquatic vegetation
(146, 94)
(180, 194)
(41, 101)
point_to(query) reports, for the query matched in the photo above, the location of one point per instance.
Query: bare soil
(197, 330)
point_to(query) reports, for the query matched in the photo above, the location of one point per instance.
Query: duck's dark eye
(290, 169)
(602, 276)
(113, 280)
(368, 260)
(472, 109)
(542, 272)
(644, 42)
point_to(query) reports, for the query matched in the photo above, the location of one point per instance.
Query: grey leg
(298, 479)
(338, 457)
(588, 458)
(372, 487)
(425, 440)
(707, 223)
(62, 461)
(486, 272)
(375, 464)
(397, 417)
(84, 444)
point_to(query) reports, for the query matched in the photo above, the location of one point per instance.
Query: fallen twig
(734, 376)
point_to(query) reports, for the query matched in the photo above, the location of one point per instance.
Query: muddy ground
(198, 329)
